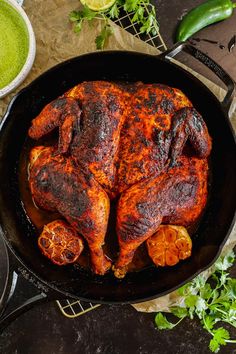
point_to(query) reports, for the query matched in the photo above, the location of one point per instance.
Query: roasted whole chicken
(142, 144)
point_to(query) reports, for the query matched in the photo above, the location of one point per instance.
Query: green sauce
(14, 43)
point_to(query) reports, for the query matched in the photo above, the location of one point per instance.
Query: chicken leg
(58, 184)
(176, 196)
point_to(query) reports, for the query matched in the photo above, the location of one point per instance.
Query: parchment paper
(57, 42)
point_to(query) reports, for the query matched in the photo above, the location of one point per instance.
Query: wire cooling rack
(72, 308)
(153, 38)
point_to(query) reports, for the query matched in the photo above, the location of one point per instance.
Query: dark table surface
(121, 329)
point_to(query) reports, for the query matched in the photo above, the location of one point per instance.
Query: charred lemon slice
(169, 245)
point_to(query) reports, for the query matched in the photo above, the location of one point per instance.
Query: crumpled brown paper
(57, 42)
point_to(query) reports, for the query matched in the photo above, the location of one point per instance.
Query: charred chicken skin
(57, 184)
(176, 196)
(127, 142)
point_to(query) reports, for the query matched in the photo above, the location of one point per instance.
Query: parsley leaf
(208, 322)
(75, 16)
(179, 312)
(88, 14)
(131, 5)
(184, 290)
(148, 24)
(136, 8)
(219, 338)
(206, 291)
(191, 300)
(114, 11)
(210, 301)
(78, 26)
(85, 13)
(162, 322)
(102, 38)
(232, 288)
(78, 17)
(224, 263)
(139, 15)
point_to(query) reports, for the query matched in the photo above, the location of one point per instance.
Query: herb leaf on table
(102, 38)
(137, 8)
(212, 301)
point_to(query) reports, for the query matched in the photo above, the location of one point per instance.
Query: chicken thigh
(57, 184)
(176, 196)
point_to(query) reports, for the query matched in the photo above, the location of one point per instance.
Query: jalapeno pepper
(203, 15)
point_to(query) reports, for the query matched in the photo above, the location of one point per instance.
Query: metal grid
(153, 38)
(72, 308)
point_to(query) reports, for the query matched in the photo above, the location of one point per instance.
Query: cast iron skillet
(17, 230)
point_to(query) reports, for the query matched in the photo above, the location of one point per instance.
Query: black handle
(10, 308)
(210, 63)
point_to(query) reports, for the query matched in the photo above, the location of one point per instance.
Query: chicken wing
(93, 135)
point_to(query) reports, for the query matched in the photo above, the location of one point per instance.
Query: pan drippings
(40, 217)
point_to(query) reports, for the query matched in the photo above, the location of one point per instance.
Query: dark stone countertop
(121, 329)
(221, 32)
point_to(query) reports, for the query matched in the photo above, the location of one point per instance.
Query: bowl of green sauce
(17, 46)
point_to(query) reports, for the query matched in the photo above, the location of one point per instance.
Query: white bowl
(31, 53)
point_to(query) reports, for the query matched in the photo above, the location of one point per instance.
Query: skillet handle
(18, 278)
(211, 64)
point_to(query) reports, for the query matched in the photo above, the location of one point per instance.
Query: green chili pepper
(203, 15)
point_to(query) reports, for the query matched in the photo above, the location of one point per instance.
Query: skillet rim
(56, 67)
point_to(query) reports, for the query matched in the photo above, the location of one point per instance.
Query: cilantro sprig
(137, 8)
(212, 301)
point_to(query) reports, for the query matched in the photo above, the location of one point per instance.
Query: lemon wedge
(98, 5)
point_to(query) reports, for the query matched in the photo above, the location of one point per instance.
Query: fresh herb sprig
(213, 301)
(146, 20)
